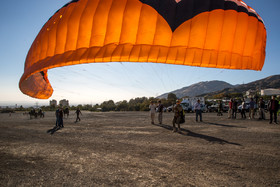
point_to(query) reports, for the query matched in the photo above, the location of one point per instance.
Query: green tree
(122, 106)
(87, 107)
(80, 106)
(172, 97)
(108, 106)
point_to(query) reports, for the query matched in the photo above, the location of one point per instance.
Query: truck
(188, 103)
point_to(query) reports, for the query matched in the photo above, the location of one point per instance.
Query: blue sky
(93, 83)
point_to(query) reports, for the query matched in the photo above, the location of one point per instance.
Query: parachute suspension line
(62, 79)
(156, 73)
(68, 91)
(114, 70)
(220, 72)
(165, 71)
(78, 74)
(199, 74)
(143, 87)
(125, 70)
(145, 70)
(178, 81)
(171, 79)
(92, 76)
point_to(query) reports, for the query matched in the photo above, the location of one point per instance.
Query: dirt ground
(125, 149)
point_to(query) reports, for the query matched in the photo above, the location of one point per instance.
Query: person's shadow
(222, 125)
(186, 132)
(53, 130)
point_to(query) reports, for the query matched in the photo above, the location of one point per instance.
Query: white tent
(270, 91)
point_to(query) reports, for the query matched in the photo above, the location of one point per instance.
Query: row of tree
(137, 104)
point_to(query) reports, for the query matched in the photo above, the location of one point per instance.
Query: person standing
(220, 108)
(66, 112)
(234, 109)
(160, 111)
(252, 109)
(152, 112)
(78, 112)
(278, 112)
(273, 106)
(230, 109)
(261, 109)
(197, 109)
(57, 119)
(178, 109)
(243, 110)
(60, 117)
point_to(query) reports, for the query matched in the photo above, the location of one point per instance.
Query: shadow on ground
(222, 125)
(53, 130)
(186, 132)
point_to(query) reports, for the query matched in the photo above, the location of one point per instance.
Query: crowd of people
(60, 112)
(179, 113)
(254, 107)
(35, 114)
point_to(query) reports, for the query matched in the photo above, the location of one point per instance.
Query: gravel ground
(125, 149)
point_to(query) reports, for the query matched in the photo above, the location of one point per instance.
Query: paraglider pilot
(177, 116)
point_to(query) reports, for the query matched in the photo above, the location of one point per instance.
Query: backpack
(182, 116)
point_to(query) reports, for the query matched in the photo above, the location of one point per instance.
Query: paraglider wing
(205, 33)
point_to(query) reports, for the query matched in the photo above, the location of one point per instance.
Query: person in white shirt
(197, 109)
(152, 111)
(243, 110)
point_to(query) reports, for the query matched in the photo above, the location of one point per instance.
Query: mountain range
(210, 88)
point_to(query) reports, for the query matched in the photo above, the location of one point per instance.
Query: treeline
(137, 104)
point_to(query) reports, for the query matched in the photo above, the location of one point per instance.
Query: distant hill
(269, 82)
(210, 88)
(199, 88)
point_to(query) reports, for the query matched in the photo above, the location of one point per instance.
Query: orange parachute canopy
(206, 33)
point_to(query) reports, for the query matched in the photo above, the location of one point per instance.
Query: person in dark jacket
(220, 108)
(273, 106)
(160, 111)
(60, 117)
(261, 109)
(230, 105)
(78, 112)
(177, 116)
(56, 115)
(252, 109)
(278, 112)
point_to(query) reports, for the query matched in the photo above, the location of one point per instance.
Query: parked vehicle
(225, 108)
(164, 109)
(169, 109)
(213, 108)
(186, 106)
(247, 107)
